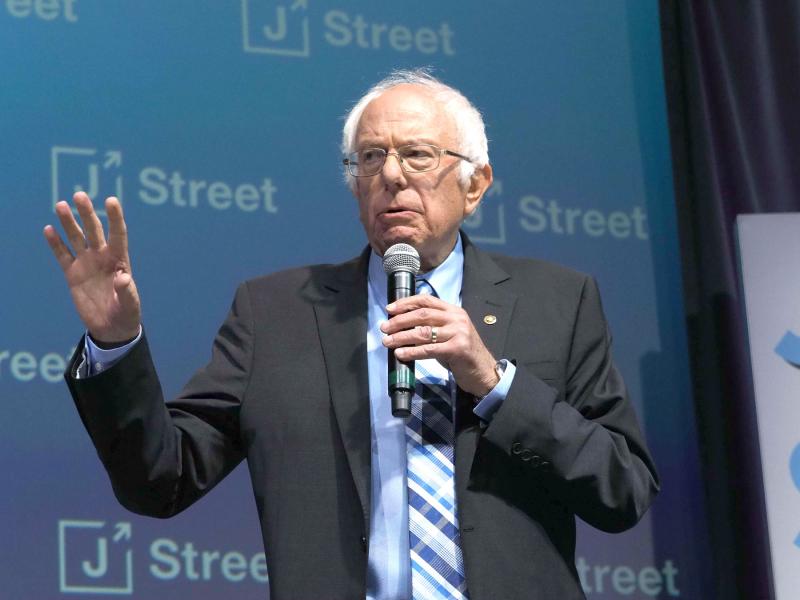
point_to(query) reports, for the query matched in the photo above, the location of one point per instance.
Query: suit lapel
(488, 305)
(340, 305)
(490, 308)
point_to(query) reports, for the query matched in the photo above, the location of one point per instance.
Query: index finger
(419, 301)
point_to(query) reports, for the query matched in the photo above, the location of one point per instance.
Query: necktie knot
(424, 287)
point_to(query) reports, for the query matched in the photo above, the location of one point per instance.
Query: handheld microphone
(401, 263)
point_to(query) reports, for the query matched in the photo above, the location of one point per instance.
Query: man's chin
(390, 238)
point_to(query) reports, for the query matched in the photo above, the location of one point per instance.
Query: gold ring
(434, 332)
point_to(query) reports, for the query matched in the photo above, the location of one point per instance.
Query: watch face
(500, 368)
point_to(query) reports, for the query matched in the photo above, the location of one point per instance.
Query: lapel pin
(490, 319)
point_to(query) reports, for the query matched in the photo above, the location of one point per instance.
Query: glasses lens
(367, 162)
(419, 157)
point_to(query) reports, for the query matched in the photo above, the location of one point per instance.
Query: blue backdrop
(218, 124)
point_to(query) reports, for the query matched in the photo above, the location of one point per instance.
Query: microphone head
(401, 257)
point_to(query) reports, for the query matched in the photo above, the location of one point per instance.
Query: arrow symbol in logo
(299, 4)
(113, 159)
(122, 531)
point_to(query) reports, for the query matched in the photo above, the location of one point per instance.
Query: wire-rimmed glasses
(413, 158)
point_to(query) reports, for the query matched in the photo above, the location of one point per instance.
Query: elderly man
(520, 421)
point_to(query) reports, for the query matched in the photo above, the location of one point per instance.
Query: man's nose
(392, 171)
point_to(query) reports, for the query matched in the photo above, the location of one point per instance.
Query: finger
(419, 336)
(92, 226)
(438, 351)
(72, 230)
(420, 316)
(117, 229)
(414, 302)
(59, 248)
(127, 295)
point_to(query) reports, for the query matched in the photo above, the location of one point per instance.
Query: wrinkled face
(421, 209)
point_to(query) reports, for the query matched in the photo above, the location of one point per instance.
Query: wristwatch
(500, 369)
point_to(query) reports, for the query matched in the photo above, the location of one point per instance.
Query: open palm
(98, 270)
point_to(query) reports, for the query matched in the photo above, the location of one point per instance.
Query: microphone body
(400, 284)
(401, 263)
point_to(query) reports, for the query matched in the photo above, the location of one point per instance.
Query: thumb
(127, 294)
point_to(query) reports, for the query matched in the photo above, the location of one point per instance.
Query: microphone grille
(401, 257)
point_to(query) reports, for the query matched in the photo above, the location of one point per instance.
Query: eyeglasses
(414, 158)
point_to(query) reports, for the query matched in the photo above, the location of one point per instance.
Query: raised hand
(98, 271)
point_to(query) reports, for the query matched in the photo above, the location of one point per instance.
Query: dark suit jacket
(287, 388)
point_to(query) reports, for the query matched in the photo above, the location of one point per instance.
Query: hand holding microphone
(424, 326)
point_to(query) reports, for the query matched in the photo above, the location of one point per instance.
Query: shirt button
(364, 543)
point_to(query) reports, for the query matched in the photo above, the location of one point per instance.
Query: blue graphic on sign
(794, 468)
(789, 348)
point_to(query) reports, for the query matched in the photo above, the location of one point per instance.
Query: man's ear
(478, 184)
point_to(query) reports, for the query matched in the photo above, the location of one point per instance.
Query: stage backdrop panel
(218, 124)
(769, 249)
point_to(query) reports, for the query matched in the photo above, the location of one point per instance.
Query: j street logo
(85, 169)
(99, 173)
(487, 224)
(95, 557)
(283, 28)
(275, 28)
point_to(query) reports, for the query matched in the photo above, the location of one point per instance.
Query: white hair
(470, 130)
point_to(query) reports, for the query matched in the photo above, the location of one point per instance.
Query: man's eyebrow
(407, 142)
(369, 144)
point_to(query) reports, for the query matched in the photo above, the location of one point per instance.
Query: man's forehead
(408, 111)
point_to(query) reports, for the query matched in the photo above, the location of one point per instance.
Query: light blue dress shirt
(389, 576)
(97, 359)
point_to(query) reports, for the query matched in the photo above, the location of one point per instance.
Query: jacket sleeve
(584, 446)
(161, 457)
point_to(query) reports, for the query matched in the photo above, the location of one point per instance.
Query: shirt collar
(446, 279)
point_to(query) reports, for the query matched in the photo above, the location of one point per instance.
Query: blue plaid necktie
(437, 564)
